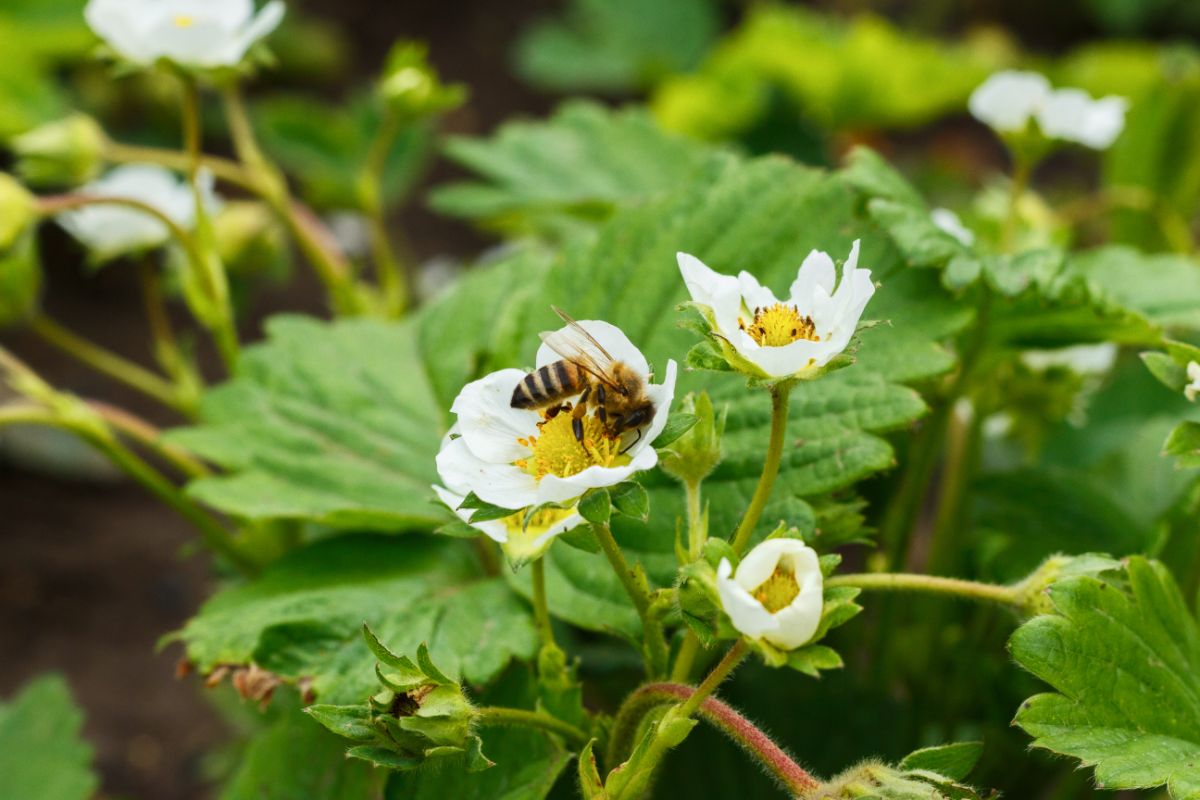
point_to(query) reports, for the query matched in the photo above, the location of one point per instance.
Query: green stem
(215, 536)
(958, 468)
(390, 272)
(314, 241)
(639, 592)
(929, 584)
(149, 437)
(109, 363)
(762, 493)
(1022, 172)
(681, 672)
(519, 717)
(541, 611)
(211, 272)
(757, 744)
(222, 169)
(695, 517)
(637, 774)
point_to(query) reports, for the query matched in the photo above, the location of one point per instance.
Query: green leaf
(294, 758)
(1126, 668)
(616, 45)
(1184, 444)
(332, 422)
(41, 754)
(303, 617)
(955, 761)
(577, 165)
(350, 722)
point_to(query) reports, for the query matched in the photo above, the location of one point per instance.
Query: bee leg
(585, 394)
(577, 421)
(635, 441)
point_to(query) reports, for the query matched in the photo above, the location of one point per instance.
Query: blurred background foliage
(1069, 463)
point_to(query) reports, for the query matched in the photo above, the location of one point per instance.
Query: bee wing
(579, 347)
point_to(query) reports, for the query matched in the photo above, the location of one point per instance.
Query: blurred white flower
(109, 231)
(520, 458)
(1193, 388)
(948, 222)
(777, 593)
(1073, 115)
(191, 33)
(1007, 101)
(783, 338)
(1082, 359)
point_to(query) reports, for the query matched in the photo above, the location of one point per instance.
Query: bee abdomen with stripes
(549, 385)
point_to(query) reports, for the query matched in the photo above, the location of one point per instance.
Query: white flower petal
(746, 613)
(817, 270)
(702, 283)
(754, 294)
(1008, 99)
(502, 485)
(1192, 389)
(195, 33)
(761, 561)
(260, 27)
(610, 337)
(662, 395)
(488, 422)
(553, 489)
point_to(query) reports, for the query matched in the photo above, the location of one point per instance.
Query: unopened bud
(250, 240)
(695, 454)
(20, 269)
(68, 152)
(411, 86)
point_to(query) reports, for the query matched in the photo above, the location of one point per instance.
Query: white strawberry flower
(520, 458)
(109, 231)
(1192, 390)
(1073, 115)
(776, 594)
(1008, 101)
(787, 338)
(202, 34)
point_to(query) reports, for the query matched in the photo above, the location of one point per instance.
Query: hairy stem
(222, 169)
(639, 593)
(762, 493)
(541, 611)
(149, 437)
(109, 363)
(929, 584)
(744, 733)
(214, 534)
(519, 717)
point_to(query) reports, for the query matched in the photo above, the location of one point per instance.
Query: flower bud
(420, 715)
(695, 454)
(20, 270)
(249, 239)
(68, 152)
(411, 86)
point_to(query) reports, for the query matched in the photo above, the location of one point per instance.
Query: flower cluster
(540, 462)
(1008, 101)
(781, 339)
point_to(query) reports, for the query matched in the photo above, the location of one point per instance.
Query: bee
(614, 389)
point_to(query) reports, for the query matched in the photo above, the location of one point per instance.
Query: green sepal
(954, 761)
(1184, 443)
(350, 722)
(677, 425)
(631, 499)
(596, 507)
(591, 786)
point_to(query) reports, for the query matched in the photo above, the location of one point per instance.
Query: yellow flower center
(556, 451)
(778, 591)
(184, 21)
(777, 325)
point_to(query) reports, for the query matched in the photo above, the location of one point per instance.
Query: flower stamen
(779, 325)
(778, 591)
(556, 450)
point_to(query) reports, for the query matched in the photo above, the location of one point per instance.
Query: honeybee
(615, 390)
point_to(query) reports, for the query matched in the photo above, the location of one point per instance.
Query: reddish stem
(742, 731)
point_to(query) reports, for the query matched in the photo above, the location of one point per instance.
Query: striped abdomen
(548, 385)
